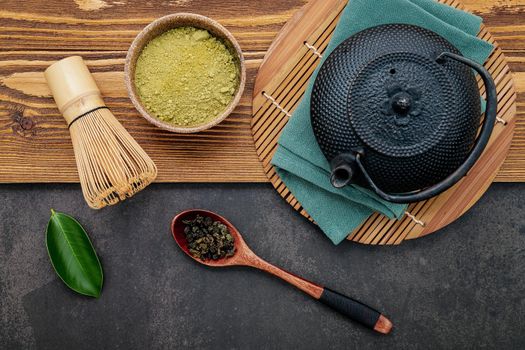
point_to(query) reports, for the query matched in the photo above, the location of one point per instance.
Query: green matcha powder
(186, 76)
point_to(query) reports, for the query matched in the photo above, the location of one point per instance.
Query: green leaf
(72, 255)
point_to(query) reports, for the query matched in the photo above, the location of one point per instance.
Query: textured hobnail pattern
(352, 90)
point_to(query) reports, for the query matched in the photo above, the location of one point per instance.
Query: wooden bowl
(162, 25)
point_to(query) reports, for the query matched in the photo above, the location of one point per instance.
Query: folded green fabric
(299, 160)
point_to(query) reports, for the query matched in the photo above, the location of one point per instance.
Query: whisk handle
(73, 88)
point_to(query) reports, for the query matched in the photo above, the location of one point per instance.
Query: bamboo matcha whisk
(111, 164)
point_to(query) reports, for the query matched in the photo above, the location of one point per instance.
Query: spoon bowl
(244, 256)
(177, 229)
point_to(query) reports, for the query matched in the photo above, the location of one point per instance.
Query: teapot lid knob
(402, 103)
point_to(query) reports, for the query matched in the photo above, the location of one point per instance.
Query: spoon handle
(347, 306)
(356, 310)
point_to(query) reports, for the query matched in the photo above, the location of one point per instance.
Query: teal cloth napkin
(299, 160)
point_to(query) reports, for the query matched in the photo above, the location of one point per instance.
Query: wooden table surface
(34, 141)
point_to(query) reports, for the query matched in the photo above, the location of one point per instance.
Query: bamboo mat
(282, 80)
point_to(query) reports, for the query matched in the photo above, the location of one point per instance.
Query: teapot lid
(400, 103)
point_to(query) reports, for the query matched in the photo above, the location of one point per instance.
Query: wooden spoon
(244, 256)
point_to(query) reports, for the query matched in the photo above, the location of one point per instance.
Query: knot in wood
(26, 123)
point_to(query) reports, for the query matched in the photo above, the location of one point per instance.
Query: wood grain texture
(34, 141)
(282, 80)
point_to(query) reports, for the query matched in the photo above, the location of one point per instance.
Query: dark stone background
(461, 288)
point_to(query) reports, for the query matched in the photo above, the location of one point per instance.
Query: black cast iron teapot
(397, 109)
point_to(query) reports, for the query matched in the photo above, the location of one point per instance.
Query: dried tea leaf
(208, 239)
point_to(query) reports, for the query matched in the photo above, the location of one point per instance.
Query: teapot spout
(343, 170)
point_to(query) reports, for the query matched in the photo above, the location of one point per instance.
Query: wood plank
(223, 154)
(63, 24)
(35, 33)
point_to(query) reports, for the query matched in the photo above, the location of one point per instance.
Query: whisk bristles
(111, 164)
